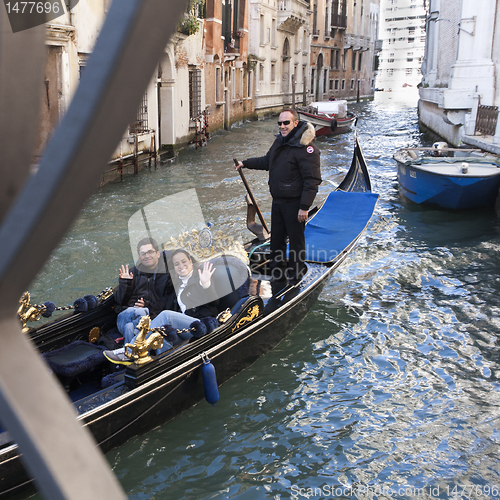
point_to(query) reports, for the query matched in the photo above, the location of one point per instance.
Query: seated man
(144, 289)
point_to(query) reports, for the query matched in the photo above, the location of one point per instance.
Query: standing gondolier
(294, 176)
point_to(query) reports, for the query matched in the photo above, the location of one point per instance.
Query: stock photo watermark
(25, 15)
(177, 221)
(176, 224)
(462, 491)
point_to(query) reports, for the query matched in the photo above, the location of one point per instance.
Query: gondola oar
(249, 191)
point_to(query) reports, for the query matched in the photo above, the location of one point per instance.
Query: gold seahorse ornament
(28, 312)
(139, 350)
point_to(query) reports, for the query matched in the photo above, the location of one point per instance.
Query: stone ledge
(482, 141)
(447, 98)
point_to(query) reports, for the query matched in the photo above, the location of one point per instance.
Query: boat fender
(333, 124)
(209, 380)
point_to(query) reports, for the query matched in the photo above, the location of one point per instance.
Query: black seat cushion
(230, 280)
(75, 358)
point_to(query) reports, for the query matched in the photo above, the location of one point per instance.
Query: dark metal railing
(140, 124)
(194, 93)
(486, 120)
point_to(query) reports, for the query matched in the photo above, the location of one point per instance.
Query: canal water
(388, 388)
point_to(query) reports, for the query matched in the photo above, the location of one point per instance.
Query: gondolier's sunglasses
(286, 122)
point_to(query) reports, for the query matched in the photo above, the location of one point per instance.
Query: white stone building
(181, 89)
(70, 39)
(402, 31)
(459, 95)
(279, 47)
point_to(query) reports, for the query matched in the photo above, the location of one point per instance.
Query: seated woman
(196, 299)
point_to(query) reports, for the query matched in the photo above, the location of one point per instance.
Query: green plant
(190, 24)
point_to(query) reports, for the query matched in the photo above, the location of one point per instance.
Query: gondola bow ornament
(253, 312)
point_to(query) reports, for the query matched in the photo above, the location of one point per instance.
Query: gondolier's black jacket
(156, 289)
(294, 166)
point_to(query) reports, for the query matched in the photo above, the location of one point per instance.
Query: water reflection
(392, 379)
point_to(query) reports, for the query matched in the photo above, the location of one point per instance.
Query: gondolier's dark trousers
(284, 222)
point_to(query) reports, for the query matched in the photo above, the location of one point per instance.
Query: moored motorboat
(448, 177)
(328, 117)
(117, 405)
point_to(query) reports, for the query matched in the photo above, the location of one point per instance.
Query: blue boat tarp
(337, 224)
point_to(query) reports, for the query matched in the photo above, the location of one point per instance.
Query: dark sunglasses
(286, 122)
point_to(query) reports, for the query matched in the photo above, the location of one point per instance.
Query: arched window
(286, 49)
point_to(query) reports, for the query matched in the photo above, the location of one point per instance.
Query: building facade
(279, 52)
(230, 60)
(343, 48)
(179, 95)
(402, 31)
(459, 96)
(230, 79)
(70, 39)
(204, 80)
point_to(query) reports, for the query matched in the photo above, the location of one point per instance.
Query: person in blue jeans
(195, 299)
(145, 289)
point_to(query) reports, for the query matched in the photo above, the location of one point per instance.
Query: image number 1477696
(34, 7)
(24, 15)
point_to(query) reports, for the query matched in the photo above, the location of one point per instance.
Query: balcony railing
(362, 42)
(291, 15)
(349, 40)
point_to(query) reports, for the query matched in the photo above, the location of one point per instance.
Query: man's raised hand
(124, 273)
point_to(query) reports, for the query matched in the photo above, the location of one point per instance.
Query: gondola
(328, 117)
(156, 388)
